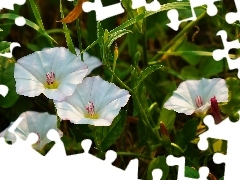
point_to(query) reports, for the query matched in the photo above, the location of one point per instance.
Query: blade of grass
(67, 34)
(28, 23)
(37, 16)
(196, 53)
(178, 36)
(164, 7)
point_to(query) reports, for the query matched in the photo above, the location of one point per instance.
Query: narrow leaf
(150, 69)
(116, 35)
(36, 13)
(29, 23)
(67, 34)
(164, 7)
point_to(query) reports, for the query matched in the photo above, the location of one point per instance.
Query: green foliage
(233, 106)
(29, 23)
(104, 137)
(191, 173)
(7, 77)
(158, 163)
(146, 72)
(168, 116)
(67, 33)
(152, 61)
(36, 14)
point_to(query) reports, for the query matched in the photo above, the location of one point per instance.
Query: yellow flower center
(91, 111)
(50, 81)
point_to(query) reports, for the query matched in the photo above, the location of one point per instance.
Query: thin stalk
(144, 39)
(133, 154)
(79, 37)
(142, 112)
(179, 35)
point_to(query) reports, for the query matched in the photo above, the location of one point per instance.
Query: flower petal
(30, 73)
(106, 97)
(34, 122)
(91, 61)
(183, 99)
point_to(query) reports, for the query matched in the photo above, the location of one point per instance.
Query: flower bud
(164, 134)
(115, 52)
(215, 110)
(105, 36)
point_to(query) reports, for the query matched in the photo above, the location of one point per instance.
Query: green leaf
(168, 116)
(105, 136)
(189, 129)
(192, 58)
(100, 34)
(158, 163)
(232, 107)
(190, 72)
(29, 23)
(209, 67)
(7, 77)
(164, 7)
(67, 33)
(137, 58)
(150, 69)
(191, 173)
(36, 14)
(115, 36)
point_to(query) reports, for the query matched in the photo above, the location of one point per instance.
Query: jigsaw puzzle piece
(232, 17)
(173, 14)
(9, 4)
(157, 174)
(219, 54)
(231, 161)
(12, 46)
(180, 162)
(153, 6)
(58, 149)
(228, 131)
(19, 156)
(103, 12)
(103, 169)
(3, 90)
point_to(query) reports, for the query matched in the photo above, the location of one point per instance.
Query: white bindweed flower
(195, 95)
(95, 101)
(33, 122)
(55, 72)
(91, 61)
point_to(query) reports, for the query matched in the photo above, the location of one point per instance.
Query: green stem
(133, 154)
(179, 35)
(144, 39)
(142, 112)
(79, 37)
(113, 69)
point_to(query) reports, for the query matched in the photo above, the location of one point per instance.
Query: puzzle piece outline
(173, 15)
(22, 150)
(231, 159)
(116, 9)
(219, 54)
